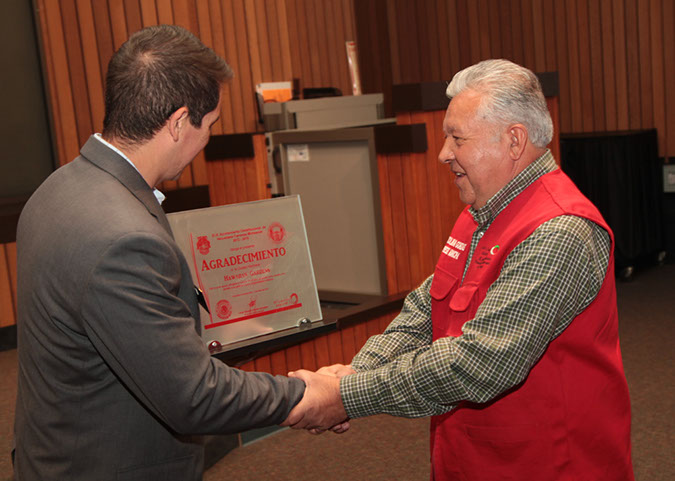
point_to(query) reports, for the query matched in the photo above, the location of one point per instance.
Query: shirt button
(480, 234)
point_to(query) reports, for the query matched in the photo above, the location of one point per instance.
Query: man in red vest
(512, 345)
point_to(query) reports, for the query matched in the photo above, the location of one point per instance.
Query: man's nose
(446, 155)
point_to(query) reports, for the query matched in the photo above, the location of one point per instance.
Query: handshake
(320, 409)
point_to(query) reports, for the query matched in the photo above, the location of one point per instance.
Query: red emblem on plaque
(276, 232)
(224, 309)
(203, 245)
(294, 298)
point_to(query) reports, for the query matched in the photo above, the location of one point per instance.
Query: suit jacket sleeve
(145, 333)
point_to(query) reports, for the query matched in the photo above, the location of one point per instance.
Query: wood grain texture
(420, 202)
(263, 40)
(10, 250)
(657, 74)
(7, 305)
(668, 16)
(614, 57)
(119, 23)
(338, 347)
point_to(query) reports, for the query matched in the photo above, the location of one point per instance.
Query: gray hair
(512, 94)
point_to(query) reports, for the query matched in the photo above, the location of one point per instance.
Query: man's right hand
(321, 407)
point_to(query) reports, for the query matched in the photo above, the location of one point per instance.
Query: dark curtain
(621, 174)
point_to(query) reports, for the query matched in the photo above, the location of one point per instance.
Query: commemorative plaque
(252, 264)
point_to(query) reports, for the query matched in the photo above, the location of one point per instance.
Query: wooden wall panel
(239, 180)
(645, 65)
(308, 356)
(10, 251)
(263, 40)
(335, 354)
(668, 16)
(118, 14)
(656, 76)
(549, 35)
(321, 351)
(562, 66)
(420, 202)
(317, 32)
(398, 268)
(333, 348)
(614, 57)
(596, 111)
(7, 288)
(95, 27)
(375, 42)
(259, 38)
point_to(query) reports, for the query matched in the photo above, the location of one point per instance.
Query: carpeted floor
(386, 448)
(647, 329)
(376, 448)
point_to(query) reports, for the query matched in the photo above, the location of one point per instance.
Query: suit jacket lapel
(110, 161)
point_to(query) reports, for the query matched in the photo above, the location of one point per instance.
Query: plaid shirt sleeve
(545, 282)
(410, 330)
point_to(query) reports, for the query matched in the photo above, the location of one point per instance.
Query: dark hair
(157, 71)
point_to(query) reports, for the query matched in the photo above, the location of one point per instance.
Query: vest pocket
(507, 452)
(441, 289)
(462, 297)
(441, 285)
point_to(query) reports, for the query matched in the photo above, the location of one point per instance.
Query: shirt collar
(158, 195)
(543, 165)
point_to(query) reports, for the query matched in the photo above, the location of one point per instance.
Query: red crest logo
(223, 309)
(203, 245)
(276, 232)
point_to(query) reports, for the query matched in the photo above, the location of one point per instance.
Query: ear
(177, 122)
(518, 139)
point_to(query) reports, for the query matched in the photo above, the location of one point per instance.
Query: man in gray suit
(114, 380)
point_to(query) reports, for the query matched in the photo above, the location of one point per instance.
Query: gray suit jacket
(113, 376)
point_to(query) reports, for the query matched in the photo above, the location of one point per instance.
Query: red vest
(569, 420)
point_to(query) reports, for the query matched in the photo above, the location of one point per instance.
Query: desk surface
(339, 310)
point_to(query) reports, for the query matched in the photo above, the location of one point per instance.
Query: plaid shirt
(545, 282)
